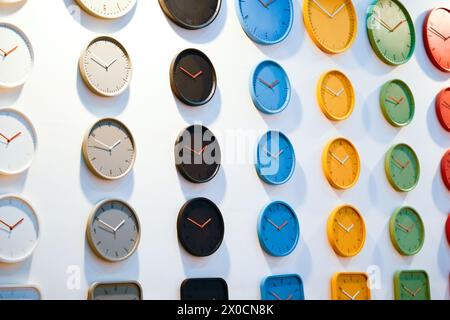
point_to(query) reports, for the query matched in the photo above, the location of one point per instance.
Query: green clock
(407, 231)
(397, 103)
(402, 167)
(391, 31)
(412, 285)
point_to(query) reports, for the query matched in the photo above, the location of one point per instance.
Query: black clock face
(193, 78)
(204, 289)
(197, 154)
(191, 14)
(200, 227)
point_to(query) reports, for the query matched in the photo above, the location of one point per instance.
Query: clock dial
(191, 14)
(105, 67)
(445, 169)
(443, 108)
(19, 293)
(113, 230)
(193, 78)
(407, 231)
(200, 227)
(19, 229)
(18, 142)
(402, 168)
(204, 289)
(412, 285)
(391, 31)
(447, 229)
(107, 9)
(266, 21)
(350, 286)
(332, 24)
(436, 33)
(282, 287)
(16, 56)
(123, 291)
(397, 103)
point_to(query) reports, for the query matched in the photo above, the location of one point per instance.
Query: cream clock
(107, 9)
(105, 67)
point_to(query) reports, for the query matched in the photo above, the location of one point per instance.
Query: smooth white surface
(64, 192)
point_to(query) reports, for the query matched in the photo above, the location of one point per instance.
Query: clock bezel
(440, 116)
(106, 17)
(387, 165)
(392, 232)
(97, 284)
(409, 95)
(20, 286)
(426, 42)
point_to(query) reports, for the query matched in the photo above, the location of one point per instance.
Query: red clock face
(447, 229)
(445, 169)
(443, 108)
(436, 36)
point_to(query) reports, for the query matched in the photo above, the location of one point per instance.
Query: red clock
(436, 37)
(447, 229)
(443, 107)
(445, 169)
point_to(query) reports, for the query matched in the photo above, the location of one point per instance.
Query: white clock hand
(338, 10)
(356, 294)
(336, 158)
(103, 144)
(348, 295)
(116, 144)
(322, 8)
(106, 225)
(343, 227)
(119, 226)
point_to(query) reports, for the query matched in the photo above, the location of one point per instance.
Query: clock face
(18, 142)
(19, 293)
(336, 96)
(447, 229)
(350, 286)
(282, 287)
(204, 289)
(105, 67)
(397, 103)
(412, 285)
(391, 31)
(109, 149)
(275, 158)
(16, 56)
(402, 168)
(332, 24)
(193, 78)
(341, 164)
(124, 291)
(407, 231)
(200, 227)
(443, 108)
(270, 87)
(19, 229)
(191, 14)
(266, 21)
(436, 33)
(113, 230)
(445, 169)
(278, 229)
(107, 9)
(197, 154)
(346, 231)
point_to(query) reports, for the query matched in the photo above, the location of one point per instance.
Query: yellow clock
(346, 231)
(350, 286)
(335, 95)
(341, 164)
(331, 24)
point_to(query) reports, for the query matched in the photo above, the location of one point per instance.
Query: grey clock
(115, 291)
(19, 293)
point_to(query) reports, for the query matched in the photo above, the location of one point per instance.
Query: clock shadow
(443, 258)
(439, 192)
(7, 9)
(205, 114)
(437, 133)
(16, 273)
(213, 190)
(10, 96)
(14, 183)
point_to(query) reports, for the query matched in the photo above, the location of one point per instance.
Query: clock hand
(406, 165)
(268, 153)
(446, 104)
(339, 92)
(398, 25)
(274, 224)
(412, 227)
(193, 76)
(348, 295)
(3, 52)
(356, 294)
(417, 291)
(398, 163)
(19, 222)
(206, 223)
(438, 33)
(331, 91)
(343, 227)
(275, 295)
(401, 226)
(103, 144)
(338, 10)
(109, 65)
(274, 84)
(119, 226)
(384, 24)
(322, 8)
(14, 137)
(283, 225)
(408, 290)
(279, 154)
(201, 226)
(265, 83)
(345, 160)
(115, 145)
(106, 225)
(336, 158)
(99, 61)
(7, 225)
(290, 297)
(4, 137)
(11, 51)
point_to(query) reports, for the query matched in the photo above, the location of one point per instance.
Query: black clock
(197, 154)
(193, 77)
(204, 289)
(200, 227)
(191, 14)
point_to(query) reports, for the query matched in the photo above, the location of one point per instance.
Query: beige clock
(107, 9)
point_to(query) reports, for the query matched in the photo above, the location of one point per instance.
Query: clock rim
(393, 234)
(109, 17)
(335, 283)
(427, 42)
(397, 282)
(25, 286)
(444, 170)
(387, 167)
(96, 284)
(186, 282)
(439, 114)
(264, 281)
(447, 228)
(383, 106)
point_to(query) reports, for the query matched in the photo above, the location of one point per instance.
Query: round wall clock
(204, 289)
(17, 56)
(115, 291)
(105, 67)
(282, 288)
(391, 31)
(113, 230)
(412, 285)
(200, 227)
(109, 149)
(447, 229)
(191, 14)
(407, 231)
(341, 164)
(443, 108)
(335, 95)
(445, 169)
(397, 103)
(18, 142)
(266, 21)
(350, 286)
(19, 229)
(17, 293)
(107, 9)
(402, 168)
(436, 35)
(331, 24)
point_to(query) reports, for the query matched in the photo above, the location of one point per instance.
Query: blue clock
(282, 287)
(275, 158)
(270, 87)
(278, 229)
(266, 21)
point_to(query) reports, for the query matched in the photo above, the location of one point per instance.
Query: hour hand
(99, 61)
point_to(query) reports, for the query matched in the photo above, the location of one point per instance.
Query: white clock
(107, 9)
(19, 229)
(10, 1)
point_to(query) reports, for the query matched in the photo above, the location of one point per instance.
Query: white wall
(64, 191)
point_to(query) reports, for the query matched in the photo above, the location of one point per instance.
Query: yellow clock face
(335, 95)
(332, 24)
(346, 231)
(341, 164)
(350, 286)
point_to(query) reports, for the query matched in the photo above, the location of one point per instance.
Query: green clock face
(391, 31)
(412, 285)
(402, 168)
(407, 231)
(397, 103)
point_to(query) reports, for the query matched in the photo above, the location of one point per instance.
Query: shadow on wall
(16, 273)
(13, 184)
(437, 133)
(7, 9)
(207, 113)
(9, 97)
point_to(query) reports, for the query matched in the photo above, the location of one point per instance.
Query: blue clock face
(266, 21)
(283, 287)
(270, 87)
(278, 229)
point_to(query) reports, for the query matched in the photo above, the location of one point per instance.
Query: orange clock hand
(283, 225)
(4, 137)
(11, 51)
(384, 24)
(206, 223)
(19, 222)
(275, 295)
(15, 136)
(4, 223)
(398, 25)
(399, 163)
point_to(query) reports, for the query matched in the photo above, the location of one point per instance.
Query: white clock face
(18, 142)
(19, 293)
(107, 9)
(16, 56)
(19, 229)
